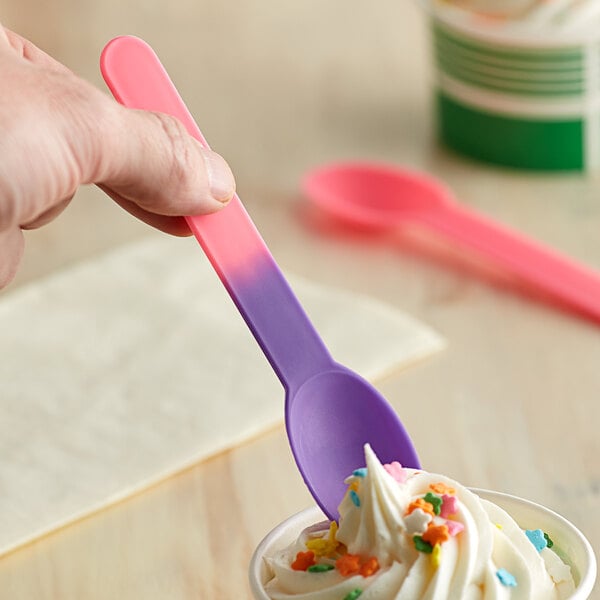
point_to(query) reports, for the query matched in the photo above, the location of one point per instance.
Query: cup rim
(553, 40)
(313, 514)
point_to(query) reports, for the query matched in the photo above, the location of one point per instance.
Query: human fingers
(153, 162)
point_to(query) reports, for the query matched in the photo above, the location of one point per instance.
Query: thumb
(150, 159)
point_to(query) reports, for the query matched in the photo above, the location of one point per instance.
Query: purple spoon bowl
(330, 411)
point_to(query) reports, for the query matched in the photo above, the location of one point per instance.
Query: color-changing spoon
(330, 411)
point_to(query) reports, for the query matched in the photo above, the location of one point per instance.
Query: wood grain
(277, 87)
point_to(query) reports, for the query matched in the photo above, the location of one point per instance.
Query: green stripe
(508, 75)
(510, 87)
(526, 55)
(510, 141)
(460, 56)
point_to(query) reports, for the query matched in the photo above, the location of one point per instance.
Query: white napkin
(121, 371)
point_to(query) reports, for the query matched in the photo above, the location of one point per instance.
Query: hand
(58, 132)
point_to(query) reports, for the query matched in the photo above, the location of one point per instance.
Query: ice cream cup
(569, 542)
(516, 94)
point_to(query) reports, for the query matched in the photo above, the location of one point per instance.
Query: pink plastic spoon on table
(384, 197)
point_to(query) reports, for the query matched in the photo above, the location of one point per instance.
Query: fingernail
(220, 178)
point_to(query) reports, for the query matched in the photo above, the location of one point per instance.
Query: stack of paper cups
(517, 97)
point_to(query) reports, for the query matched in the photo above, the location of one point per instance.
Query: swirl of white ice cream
(374, 522)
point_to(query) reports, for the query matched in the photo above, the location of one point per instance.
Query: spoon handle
(563, 278)
(229, 238)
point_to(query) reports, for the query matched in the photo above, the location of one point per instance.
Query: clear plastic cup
(569, 542)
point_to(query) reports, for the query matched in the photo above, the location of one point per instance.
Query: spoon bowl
(329, 419)
(331, 412)
(373, 195)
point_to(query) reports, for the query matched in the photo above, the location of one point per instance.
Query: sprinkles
(421, 545)
(396, 471)
(355, 499)
(360, 472)
(320, 568)
(507, 579)
(537, 538)
(435, 501)
(354, 594)
(303, 561)
(549, 542)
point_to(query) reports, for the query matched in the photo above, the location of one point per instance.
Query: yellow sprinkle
(325, 546)
(436, 556)
(333, 529)
(498, 526)
(354, 486)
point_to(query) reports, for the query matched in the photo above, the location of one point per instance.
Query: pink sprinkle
(454, 527)
(449, 506)
(396, 471)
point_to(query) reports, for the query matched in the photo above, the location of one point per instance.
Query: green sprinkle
(353, 595)
(549, 542)
(435, 501)
(421, 545)
(321, 568)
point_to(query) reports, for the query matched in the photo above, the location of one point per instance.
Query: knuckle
(180, 156)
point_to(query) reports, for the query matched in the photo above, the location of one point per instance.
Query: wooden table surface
(511, 405)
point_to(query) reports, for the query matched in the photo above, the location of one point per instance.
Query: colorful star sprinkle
(353, 564)
(421, 545)
(435, 501)
(349, 564)
(436, 534)
(355, 498)
(441, 489)
(303, 561)
(454, 527)
(396, 471)
(360, 472)
(369, 567)
(536, 537)
(549, 541)
(417, 521)
(422, 504)
(507, 579)
(449, 506)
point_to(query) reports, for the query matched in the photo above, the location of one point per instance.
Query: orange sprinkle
(436, 534)
(441, 488)
(349, 564)
(369, 567)
(303, 561)
(424, 506)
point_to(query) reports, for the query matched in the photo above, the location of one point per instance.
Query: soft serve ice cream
(407, 535)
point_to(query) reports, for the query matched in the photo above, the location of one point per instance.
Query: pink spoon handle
(229, 238)
(542, 266)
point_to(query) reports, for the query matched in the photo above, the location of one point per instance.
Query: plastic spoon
(384, 197)
(330, 411)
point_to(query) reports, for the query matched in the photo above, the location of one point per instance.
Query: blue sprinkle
(360, 472)
(506, 578)
(355, 499)
(536, 537)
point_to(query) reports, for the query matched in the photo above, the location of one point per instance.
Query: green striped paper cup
(528, 102)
